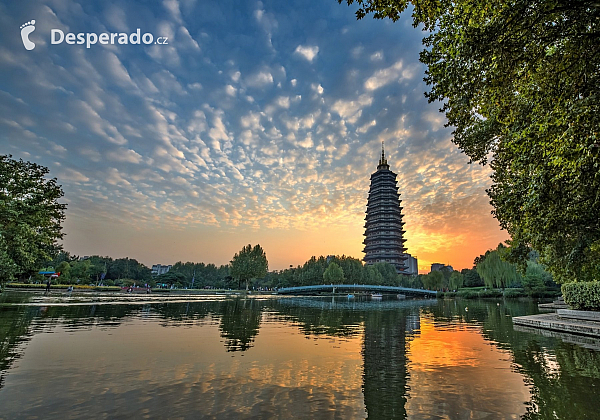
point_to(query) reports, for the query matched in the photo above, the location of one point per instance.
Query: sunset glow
(257, 123)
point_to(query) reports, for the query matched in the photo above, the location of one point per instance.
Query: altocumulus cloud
(257, 117)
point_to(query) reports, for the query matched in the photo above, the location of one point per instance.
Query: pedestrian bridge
(333, 288)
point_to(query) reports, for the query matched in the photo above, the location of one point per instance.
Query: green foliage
(479, 294)
(64, 268)
(120, 268)
(496, 272)
(519, 82)
(471, 277)
(456, 280)
(513, 293)
(536, 279)
(30, 217)
(333, 274)
(371, 275)
(171, 278)
(89, 270)
(413, 281)
(582, 295)
(389, 277)
(434, 280)
(311, 273)
(249, 263)
(203, 275)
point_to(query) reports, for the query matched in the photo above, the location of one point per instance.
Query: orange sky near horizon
(455, 235)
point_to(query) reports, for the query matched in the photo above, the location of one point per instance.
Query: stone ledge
(581, 340)
(583, 315)
(553, 306)
(553, 322)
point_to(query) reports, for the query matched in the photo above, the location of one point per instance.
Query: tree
(30, 217)
(434, 280)
(171, 278)
(333, 274)
(519, 83)
(471, 278)
(496, 272)
(456, 280)
(81, 270)
(64, 268)
(389, 277)
(249, 263)
(371, 275)
(536, 278)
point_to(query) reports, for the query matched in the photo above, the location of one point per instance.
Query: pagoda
(384, 233)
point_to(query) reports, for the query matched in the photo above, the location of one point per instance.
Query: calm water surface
(289, 358)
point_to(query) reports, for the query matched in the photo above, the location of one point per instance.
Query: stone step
(583, 315)
(554, 322)
(553, 306)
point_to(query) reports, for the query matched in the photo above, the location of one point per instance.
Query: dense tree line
(98, 270)
(197, 276)
(489, 270)
(333, 270)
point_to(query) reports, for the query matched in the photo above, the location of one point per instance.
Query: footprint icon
(26, 29)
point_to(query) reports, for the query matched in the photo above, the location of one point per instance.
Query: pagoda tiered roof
(384, 233)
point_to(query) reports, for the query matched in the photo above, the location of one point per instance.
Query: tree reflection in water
(563, 378)
(240, 321)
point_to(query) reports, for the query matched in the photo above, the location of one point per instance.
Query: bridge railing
(366, 287)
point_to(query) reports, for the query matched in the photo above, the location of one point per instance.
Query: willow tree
(496, 272)
(434, 280)
(456, 280)
(519, 82)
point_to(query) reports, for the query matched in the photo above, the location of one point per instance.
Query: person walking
(48, 286)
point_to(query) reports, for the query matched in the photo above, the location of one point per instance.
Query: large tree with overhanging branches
(30, 217)
(519, 82)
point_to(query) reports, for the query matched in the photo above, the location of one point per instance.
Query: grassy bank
(512, 293)
(40, 286)
(81, 288)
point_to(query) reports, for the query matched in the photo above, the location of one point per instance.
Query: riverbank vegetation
(582, 295)
(489, 277)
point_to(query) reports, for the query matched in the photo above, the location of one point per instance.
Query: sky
(258, 122)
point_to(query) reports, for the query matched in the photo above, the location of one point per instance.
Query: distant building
(158, 269)
(412, 265)
(439, 266)
(384, 233)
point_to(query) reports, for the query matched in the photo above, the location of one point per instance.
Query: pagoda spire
(383, 161)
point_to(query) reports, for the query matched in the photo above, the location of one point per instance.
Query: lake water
(227, 358)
